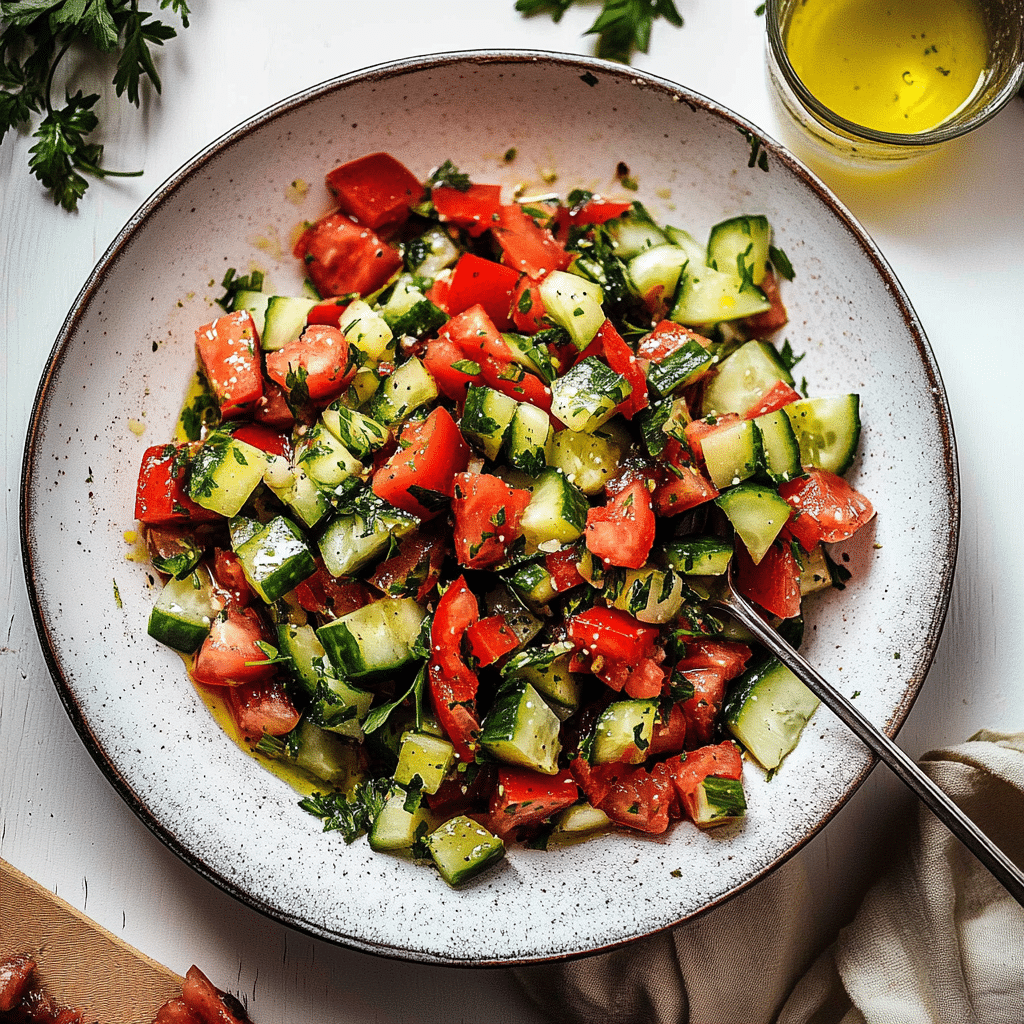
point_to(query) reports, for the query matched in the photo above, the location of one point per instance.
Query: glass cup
(823, 134)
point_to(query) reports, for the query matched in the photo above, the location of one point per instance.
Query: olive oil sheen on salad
(901, 66)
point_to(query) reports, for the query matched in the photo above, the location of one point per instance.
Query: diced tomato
(697, 430)
(722, 760)
(666, 338)
(228, 353)
(205, 1000)
(827, 508)
(611, 634)
(484, 283)
(416, 568)
(264, 437)
(438, 291)
(262, 708)
(273, 408)
(432, 451)
(376, 189)
(526, 247)
(640, 799)
(229, 579)
(16, 972)
(645, 679)
(779, 395)
(325, 595)
(453, 684)
(597, 211)
(457, 796)
(669, 734)
(763, 324)
(160, 495)
(680, 485)
(487, 515)
(476, 335)
(728, 655)
(622, 532)
(702, 708)
(622, 360)
(523, 798)
(528, 307)
(490, 639)
(474, 209)
(564, 568)
(328, 312)
(230, 654)
(445, 362)
(176, 1011)
(342, 257)
(316, 361)
(773, 583)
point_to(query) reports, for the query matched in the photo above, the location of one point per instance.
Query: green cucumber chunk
(521, 729)
(183, 612)
(827, 430)
(624, 728)
(461, 849)
(375, 638)
(757, 515)
(276, 559)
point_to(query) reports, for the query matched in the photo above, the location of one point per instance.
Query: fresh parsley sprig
(35, 36)
(623, 27)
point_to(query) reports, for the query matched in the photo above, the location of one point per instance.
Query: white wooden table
(952, 235)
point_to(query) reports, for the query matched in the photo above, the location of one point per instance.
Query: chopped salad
(444, 531)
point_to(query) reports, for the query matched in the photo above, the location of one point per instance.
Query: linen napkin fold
(936, 939)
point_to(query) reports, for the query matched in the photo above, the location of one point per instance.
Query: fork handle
(902, 765)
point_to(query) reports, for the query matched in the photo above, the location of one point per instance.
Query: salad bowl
(117, 376)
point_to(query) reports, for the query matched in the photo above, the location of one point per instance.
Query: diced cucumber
(657, 270)
(757, 515)
(284, 320)
(650, 595)
(366, 331)
(529, 439)
(575, 304)
(699, 556)
(780, 450)
(580, 819)
(293, 487)
(405, 295)
(732, 454)
(461, 848)
(428, 758)
(634, 232)
(706, 296)
(557, 511)
(624, 730)
(224, 473)
(324, 755)
(589, 459)
(742, 379)
(373, 639)
(766, 709)
(255, 303)
(546, 668)
(276, 559)
(815, 570)
(183, 612)
(696, 253)
(355, 538)
(241, 528)
(327, 462)
(431, 253)
(486, 417)
(409, 388)
(739, 246)
(521, 729)
(531, 354)
(304, 652)
(423, 319)
(718, 801)
(827, 430)
(534, 585)
(680, 368)
(359, 433)
(396, 827)
(339, 707)
(587, 396)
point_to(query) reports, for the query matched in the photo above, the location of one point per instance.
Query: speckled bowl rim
(582, 64)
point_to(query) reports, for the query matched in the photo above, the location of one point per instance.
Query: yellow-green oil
(901, 66)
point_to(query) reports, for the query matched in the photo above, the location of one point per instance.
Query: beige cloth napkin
(936, 939)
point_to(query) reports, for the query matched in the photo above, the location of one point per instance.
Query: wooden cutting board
(79, 963)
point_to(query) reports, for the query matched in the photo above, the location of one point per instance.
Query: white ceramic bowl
(123, 358)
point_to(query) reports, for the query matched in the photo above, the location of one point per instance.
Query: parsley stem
(99, 172)
(49, 77)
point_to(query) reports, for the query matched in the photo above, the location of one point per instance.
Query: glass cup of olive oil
(873, 83)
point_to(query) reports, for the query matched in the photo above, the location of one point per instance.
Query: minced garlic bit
(137, 427)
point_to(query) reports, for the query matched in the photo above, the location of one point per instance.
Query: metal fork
(903, 766)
